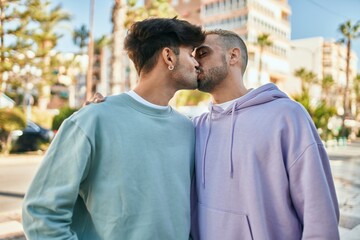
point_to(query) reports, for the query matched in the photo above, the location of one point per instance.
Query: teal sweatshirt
(115, 170)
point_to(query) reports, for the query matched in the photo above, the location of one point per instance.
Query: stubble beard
(185, 80)
(211, 79)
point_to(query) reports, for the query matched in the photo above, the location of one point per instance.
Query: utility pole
(89, 75)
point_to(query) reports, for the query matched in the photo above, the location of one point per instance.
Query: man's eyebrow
(202, 47)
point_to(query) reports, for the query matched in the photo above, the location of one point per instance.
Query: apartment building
(249, 19)
(323, 58)
(188, 10)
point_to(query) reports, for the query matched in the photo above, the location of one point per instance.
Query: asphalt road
(16, 173)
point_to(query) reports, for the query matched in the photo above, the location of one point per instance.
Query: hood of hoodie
(266, 93)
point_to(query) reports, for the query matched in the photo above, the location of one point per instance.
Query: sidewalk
(10, 222)
(345, 165)
(10, 226)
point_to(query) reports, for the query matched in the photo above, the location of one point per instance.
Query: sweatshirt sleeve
(313, 194)
(49, 202)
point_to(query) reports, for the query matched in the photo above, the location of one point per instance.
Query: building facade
(324, 58)
(188, 10)
(249, 19)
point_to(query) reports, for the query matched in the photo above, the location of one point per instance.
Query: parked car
(32, 138)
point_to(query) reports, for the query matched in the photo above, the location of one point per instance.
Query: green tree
(349, 32)
(99, 63)
(124, 14)
(308, 78)
(152, 8)
(100, 43)
(357, 94)
(80, 37)
(10, 119)
(118, 17)
(327, 83)
(320, 112)
(15, 40)
(191, 97)
(263, 41)
(64, 113)
(46, 21)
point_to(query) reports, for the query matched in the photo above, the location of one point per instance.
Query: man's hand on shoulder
(97, 98)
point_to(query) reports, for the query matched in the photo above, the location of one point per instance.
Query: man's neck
(226, 94)
(230, 88)
(155, 94)
(138, 98)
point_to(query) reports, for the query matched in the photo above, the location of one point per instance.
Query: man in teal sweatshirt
(122, 169)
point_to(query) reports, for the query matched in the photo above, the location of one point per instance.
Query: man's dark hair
(147, 38)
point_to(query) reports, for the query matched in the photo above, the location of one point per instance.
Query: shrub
(65, 112)
(10, 119)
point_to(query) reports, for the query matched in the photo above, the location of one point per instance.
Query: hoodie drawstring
(231, 162)
(205, 148)
(266, 93)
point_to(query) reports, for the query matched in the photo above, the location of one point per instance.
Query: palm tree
(349, 32)
(99, 63)
(124, 14)
(321, 112)
(46, 38)
(153, 8)
(118, 33)
(80, 37)
(13, 24)
(100, 43)
(263, 40)
(357, 94)
(326, 85)
(308, 78)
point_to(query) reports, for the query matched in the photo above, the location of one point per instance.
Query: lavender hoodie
(262, 172)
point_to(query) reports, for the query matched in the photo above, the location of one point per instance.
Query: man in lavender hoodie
(262, 171)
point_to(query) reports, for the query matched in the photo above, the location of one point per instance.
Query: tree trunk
(346, 90)
(8, 144)
(89, 75)
(117, 80)
(2, 46)
(260, 64)
(45, 88)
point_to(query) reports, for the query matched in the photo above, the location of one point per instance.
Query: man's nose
(197, 64)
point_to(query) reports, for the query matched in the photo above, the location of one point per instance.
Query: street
(17, 171)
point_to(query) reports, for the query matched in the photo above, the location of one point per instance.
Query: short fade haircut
(147, 38)
(231, 40)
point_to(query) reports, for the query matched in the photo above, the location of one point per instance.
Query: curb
(11, 229)
(10, 226)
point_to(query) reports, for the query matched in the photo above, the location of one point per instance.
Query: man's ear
(235, 56)
(169, 57)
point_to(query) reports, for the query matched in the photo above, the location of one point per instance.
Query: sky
(309, 18)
